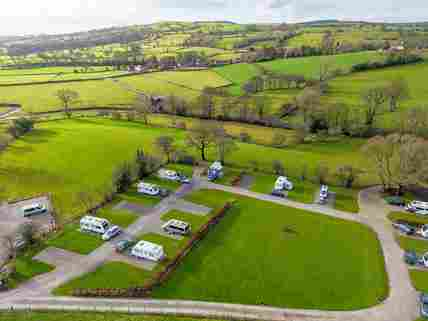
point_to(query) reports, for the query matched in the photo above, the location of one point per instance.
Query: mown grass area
(132, 196)
(287, 257)
(409, 244)
(408, 217)
(237, 74)
(122, 218)
(195, 221)
(107, 276)
(419, 280)
(72, 239)
(87, 316)
(346, 199)
(27, 268)
(31, 164)
(154, 179)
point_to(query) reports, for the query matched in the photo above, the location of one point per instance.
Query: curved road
(401, 304)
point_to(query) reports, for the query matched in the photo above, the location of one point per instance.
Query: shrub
(116, 115)
(186, 159)
(130, 116)
(278, 168)
(20, 127)
(245, 137)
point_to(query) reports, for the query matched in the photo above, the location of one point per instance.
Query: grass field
(306, 39)
(408, 217)
(349, 89)
(106, 276)
(31, 165)
(87, 316)
(292, 251)
(419, 280)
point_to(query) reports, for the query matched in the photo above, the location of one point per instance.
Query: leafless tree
(67, 98)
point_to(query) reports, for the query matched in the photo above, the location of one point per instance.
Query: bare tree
(397, 91)
(67, 98)
(202, 137)
(262, 106)
(143, 107)
(166, 144)
(224, 143)
(347, 175)
(308, 102)
(373, 98)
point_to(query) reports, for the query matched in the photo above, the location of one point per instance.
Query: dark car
(183, 179)
(395, 200)
(411, 258)
(123, 245)
(163, 192)
(405, 228)
(424, 304)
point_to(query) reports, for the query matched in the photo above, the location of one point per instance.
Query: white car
(34, 209)
(111, 233)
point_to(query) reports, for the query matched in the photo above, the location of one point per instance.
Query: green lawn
(154, 179)
(408, 217)
(71, 239)
(122, 218)
(27, 267)
(106, 276)
(409, 244)
(87, 316)
(311, 261)
(132, 196)
(419, 280)
(346, 199)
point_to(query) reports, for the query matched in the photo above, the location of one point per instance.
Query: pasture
(90, 150)
(273, 247)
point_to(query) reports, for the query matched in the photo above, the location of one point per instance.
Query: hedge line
(163, 275)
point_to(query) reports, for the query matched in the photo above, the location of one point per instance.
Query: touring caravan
(215, 171)
(172, 176)
(94, 224)
(282, 183)
(176, 227)
(148, 251)
(148, 189)
(418, 207)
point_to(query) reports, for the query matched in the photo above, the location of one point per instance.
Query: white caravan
(148, 189)
(148, 251)
(94, 224)
(418, 207)
(169, 175)
(176, 227)
(282, 183)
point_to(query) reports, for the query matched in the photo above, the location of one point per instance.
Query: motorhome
(148, 189)
(34, 209)
(282, 183)
(176, 227)
(94, 224)
(215, 171)
(172, 176)
(418, 207)
(148, 251)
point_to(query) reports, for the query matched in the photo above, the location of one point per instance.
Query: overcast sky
(54, 16)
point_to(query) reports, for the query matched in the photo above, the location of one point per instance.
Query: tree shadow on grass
(41, 135)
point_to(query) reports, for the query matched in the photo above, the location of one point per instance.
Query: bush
(186, 159)
(181, 125)
(20, 127)
(245, 137)
(130, 116)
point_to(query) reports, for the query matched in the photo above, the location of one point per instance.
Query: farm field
(51, 71)
(288, 245)
(31, 165)
(312, 39)
(348, 89)
(87, 316)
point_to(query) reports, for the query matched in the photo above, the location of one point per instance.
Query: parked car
(417, 206)
(423, 231)
(173, 176)
(411, 258)
(215, 171)
(405, 228)
(395, 200)
(111, 233)
(123, 245)
(34, 209)
(424, 304)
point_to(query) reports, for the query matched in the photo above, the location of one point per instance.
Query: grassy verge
(110, 275)
(87, 316)
(346, 199)
(71, 239)
(408, 217)
(122, 218)
(409, 244)
(132, 196)
(419, 280)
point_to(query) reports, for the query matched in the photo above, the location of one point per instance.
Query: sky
(20, 17)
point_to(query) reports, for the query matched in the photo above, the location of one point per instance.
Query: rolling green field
(349, 89)
(306, 39)
(32, 165)
(49, 70)
(87, 316)
(274, 247)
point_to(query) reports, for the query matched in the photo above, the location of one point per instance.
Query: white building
(148, 251)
